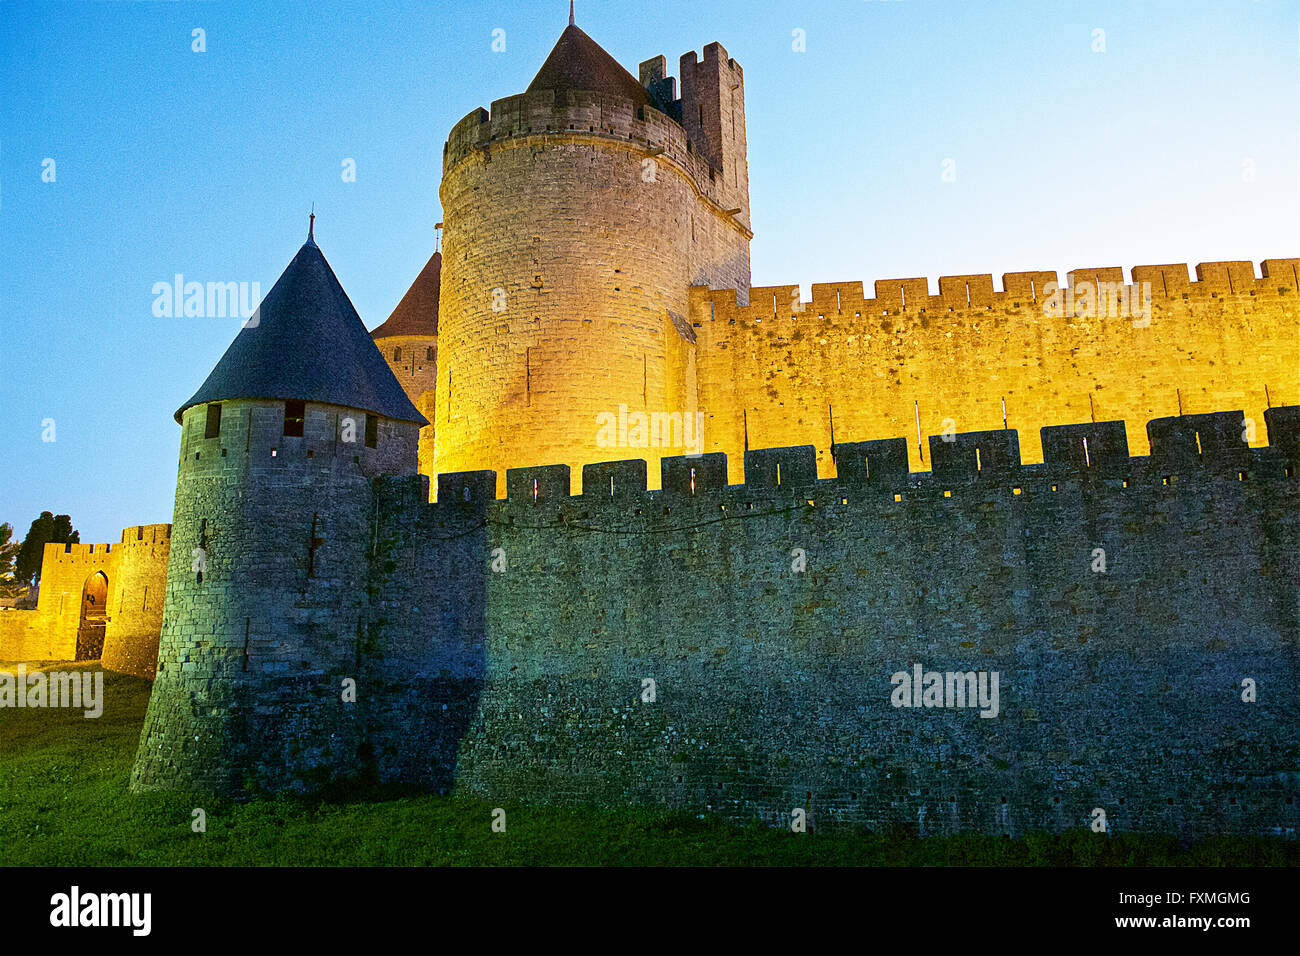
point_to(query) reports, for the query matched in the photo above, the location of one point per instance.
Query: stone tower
(409, 343)
(578, 214)
(263, 615)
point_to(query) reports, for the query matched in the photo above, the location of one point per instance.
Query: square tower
(713, 115)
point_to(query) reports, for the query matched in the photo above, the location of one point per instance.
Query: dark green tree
(8, 551)
(46, 529)
(9, 585)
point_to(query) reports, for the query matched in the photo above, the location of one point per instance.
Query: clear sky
(1179, 143)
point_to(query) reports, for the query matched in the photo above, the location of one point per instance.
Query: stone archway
(94, 617)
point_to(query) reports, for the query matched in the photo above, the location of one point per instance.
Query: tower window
(294, 412)
(372, 431)
(397, 354)
(428, 354)
(213, 427)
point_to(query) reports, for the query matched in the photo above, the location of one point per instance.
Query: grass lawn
(64, 802)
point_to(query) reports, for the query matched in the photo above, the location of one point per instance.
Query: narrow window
(397, 354)
(315, 542)
(213, 427)
(428, 354)
(202, 551)
(293, 416)
(372, 431)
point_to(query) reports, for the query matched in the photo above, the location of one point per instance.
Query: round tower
(262, 620)
(408, 341)
(577, 214)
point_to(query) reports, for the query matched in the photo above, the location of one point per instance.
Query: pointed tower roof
(417, 313)
(578, 62)
(306, 343)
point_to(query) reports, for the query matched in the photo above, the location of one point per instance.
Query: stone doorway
(94, 617)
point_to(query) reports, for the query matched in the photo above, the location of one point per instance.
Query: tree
(9, 586)
(8, 551)
(47, 529)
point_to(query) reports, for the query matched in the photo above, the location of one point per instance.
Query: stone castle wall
(417, 372)
(575, 224)
(135, 570)
(50, 631)
(522, 631)
(794, 373)
(136, 602)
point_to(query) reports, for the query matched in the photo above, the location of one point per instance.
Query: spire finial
(311, 224)
(571, 23)
(437, 242)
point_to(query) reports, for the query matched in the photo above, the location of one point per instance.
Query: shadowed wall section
(1121, 683)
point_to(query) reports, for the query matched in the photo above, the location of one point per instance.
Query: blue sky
(1179, 143)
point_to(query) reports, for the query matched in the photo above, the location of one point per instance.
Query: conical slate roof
(307, 343)
(417, 313)
(578, 63)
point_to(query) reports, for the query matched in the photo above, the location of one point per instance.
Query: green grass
(64, 802)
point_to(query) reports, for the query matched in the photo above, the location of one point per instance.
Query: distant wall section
(791, 373)
(136, 605)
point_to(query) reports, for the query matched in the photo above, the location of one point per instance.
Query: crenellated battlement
(553, 116)
(1188, 448)
(76, 553)
(912, 361)
(146, 535)
(1086, 289)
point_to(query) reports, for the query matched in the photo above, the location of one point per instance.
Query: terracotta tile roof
(578, 63)
(417, 313)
